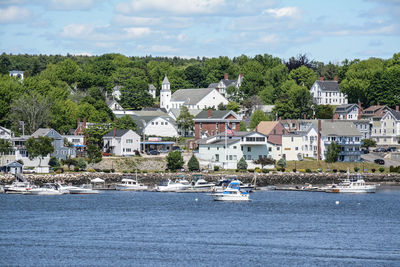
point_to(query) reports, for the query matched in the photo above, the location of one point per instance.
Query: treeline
(59, 89)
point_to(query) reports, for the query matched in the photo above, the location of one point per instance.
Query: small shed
(13, 167)
(98, 183)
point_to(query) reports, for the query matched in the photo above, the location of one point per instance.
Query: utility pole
(22, 123)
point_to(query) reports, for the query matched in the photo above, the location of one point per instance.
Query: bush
(76, 169)
(356, 169)
(216, 168)
(174, 160)
(59, 170)
(193, 164)
(308, 171)
(373, 170)
(112, 170)
(381, 169)
(106, 170)
(53, 162)
(242, 164)
(282, 169)
(294, 170)
(282, 163)
(250, 170)
(342, 171)
(265, 171)
(334, 170)
(81, 164)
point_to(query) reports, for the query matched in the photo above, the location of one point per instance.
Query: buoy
(359, 203)
(337, 202)
(196, 199)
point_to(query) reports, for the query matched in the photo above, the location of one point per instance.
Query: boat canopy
(97, 180)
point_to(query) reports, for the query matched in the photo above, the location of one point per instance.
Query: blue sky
(324, 30)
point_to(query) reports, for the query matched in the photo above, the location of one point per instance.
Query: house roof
(344, 108)
(395, 113)
(216, 114)
(118, 133)
(41, 132)
(275, 139)
(228, 83)
(329, 86)
(142, 121)
(339, 128)
(219, 138)
(375, 111)
(191, 96)
(265, 127)
(177, 111)
(213, 85)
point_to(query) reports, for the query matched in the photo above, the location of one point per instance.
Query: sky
(324, 30)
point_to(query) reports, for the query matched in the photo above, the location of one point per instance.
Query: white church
(197, 98)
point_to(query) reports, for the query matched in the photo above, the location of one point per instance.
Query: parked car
(379, 161)
(164, 150)
(392, 149)
(177, 148)
(364, 151)
(380, 149)
(153, 152)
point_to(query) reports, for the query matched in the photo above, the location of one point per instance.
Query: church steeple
(165, 94)
(165, 84)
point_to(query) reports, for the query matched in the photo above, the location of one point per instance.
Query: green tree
(94, 153)
(5, 147)
(40, 147)
(257, 117)
(125, 122)
(69, 162)
(54, 163)
(332, 153)
(233, 106)
(81, 164)
(174, 160)
(324, 111)
(134, 94)
(264, 161)
(94, 139)
(242, 164)
(367, 143)
(282, 163)
(242, 126)
(193, 164)
(185, 120)
(303, 76)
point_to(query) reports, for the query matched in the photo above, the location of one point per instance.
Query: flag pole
(226, 143)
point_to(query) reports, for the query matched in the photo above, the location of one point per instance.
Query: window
(208, 148)
(152, 123)
(233, 125)
(129, 141)
(127, 150)
(162, 123)
(248, 149)
(234, 147)
(270, 149)
(156, 123)
(248, 157)
(278, 148)
(165, 123)
(230, 157)
(201, 126)
(297, 148)
(234, 157)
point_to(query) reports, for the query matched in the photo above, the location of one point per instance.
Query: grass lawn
(315, 165)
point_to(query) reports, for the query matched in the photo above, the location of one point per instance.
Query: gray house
(60, 151)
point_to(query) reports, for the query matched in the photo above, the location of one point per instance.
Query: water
(147, 228)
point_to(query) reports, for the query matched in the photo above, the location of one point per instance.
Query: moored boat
(47, 189)
(232, 193)
(171, 186)
(83, 190)
(18, 188)
(130, 185)
(353, 184)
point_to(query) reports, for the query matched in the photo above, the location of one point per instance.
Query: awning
(78, 146)
(157, 143)
(97, 180)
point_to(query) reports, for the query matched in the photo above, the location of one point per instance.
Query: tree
(174, 160)
(282, 163)
(5, 147)
(242, 164)
(94, 139)
(185, 120)
(135, 95)
(257, 117)
(33, 109)
(324, 111)
(264, 161)
(125, 122)
(69, 162)
(242, 126)
(81, 164)
(94, 153)
(301, 60)
(332, 152)
(233, 106)
(40, 147)
(303, 76)
(193, 164)
(54, 162)
(367, 143)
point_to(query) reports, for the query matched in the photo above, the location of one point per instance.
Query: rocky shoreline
(155, 178)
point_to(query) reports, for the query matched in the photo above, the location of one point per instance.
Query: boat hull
(371, 189)
(130, 188)
(41, 192)
(83, 191)
(224, 197)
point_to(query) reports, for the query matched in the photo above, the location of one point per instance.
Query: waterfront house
(291, 148)
(121, 142)
(5, 133)
(348, 112)
(226, 150)
(60, 151)
(327, 93)
(213, 122)
(387, 133)
(196, 98)
(163, 126)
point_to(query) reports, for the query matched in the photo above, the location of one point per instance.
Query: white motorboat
(65, 189)
(171, 186)
(202, 184)
(232, 193)
(18, 188)
(355, 184)
(223, 183)
(47, 189)
(130, 185)
(83, 190)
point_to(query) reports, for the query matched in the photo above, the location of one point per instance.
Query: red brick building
(212, 122)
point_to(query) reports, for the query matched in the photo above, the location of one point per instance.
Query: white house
(347, 112)
(387, 133)
(223, 84)
(5, 133)
(121, 142)
(327, 93)
(17, 73)
(309, 145)
(114, 105)
(152, 90)
(116, 93)
(198, 98)
(292, 147)
(250, 145)
(161, 125)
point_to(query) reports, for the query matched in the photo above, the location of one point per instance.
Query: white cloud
(71, 4)
(136, 32)
(77, 31)
(183, 7)
(162, 49)
(14, 14)
(127, 20)
(269, 39)
(283, 12)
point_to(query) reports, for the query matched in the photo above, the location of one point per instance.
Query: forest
(59, 89)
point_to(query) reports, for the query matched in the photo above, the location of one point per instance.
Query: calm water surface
(147, 228)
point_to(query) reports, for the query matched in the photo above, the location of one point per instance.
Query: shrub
(112, 170)
(76, 169)
(174, 160)
(294, 170)
(282, 169)
(356, 169)
(319, 170)
(257, 170)
(193, 164)
(373, 170)
(250, 170)
(216, 168)
(282, 163)
(342, 171)
(308, 171)
(381, 169)
(265, 170)
(97, 170)
(59, 170)
(242, 164)
(91, 170)
(278, 169)
(237, 170)
(106, 170)
(53, 162)
(81, 164)
(302, 170)
(334, 170)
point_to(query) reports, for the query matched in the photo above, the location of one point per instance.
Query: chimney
(84, 123)
(378, 104)
(209, 112)
(305, 116)
(335, 78)
(321, 78)
(241, 75)
(359, 110)
(397, 108)
(78, 123)
(114, 132)
(280, 118)
(226, 77)
(319, 141)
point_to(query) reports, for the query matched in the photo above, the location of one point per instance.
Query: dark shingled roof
(344, 108)
(118, 132)
(216, 114)
(395, 113)
(329, 85)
